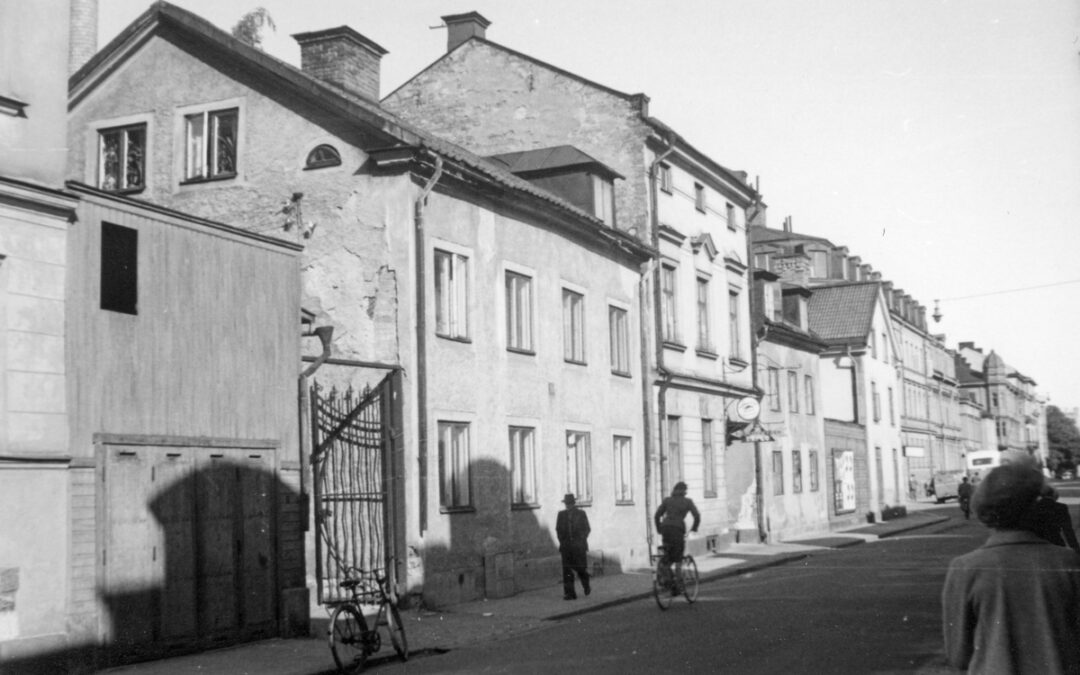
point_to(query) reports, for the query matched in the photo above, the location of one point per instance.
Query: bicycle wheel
(346, 636)
(397, 632)
(689, 578)
(661, 590)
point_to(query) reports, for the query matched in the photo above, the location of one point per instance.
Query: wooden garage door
(189, 550)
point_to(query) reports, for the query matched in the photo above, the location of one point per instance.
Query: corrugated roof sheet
(844, 313)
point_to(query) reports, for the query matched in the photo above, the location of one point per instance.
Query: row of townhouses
(259, 326)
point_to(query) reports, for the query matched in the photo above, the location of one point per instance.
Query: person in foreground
(572, 530)
(1012, 605)
(670, 521)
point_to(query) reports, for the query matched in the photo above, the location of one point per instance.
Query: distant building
(1008, 397)
(798, 496)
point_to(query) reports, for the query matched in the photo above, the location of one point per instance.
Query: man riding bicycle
(670, 523)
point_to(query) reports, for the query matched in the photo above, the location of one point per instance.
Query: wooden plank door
(131, 572)
(217, 501)
(258, 606)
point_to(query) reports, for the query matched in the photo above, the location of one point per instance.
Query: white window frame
(604, 200)
(702, 290)
(573, 313)
(793, 391)
(202, 154)
(518, 287)
(619, 333)
(124, 132)
(669, 288)
(455, 470)
(523, 486)
(735, 319)
(708, 458)
(808, 394)
(579, 465)
(622, 449)
(451, 292)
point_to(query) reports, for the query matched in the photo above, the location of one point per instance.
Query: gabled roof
(640, 100)
(844, 314)
(556, 159)
(347, 106)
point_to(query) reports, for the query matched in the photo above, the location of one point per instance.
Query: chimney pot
(463, 27)
(342, 57)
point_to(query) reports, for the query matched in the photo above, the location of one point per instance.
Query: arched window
(323, 156)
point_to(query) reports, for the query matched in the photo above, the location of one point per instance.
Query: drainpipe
(325, 335)
(658, 327)
(421, 342)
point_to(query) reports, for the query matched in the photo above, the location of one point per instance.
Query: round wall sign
(748, 408)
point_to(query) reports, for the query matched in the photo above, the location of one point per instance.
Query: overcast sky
(939, 140)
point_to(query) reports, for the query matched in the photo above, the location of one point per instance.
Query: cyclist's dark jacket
(672, 512)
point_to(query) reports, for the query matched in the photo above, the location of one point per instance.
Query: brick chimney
(342, 57)
(84, 26)
(463, 27)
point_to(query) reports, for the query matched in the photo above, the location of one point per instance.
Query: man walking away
(1012, 606)
(572, 529)
(963, 493)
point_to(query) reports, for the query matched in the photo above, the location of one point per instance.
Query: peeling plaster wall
(352, 260)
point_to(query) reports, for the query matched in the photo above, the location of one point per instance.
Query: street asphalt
(431, 632)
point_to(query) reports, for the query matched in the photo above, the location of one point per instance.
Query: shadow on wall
(196, 567)
(495, 549)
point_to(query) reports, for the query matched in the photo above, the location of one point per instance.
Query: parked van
(979, 463)
(945, 484)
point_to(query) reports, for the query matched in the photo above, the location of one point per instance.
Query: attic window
(322, 156)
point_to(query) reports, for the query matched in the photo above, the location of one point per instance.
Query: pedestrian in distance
(670, 521)
(1012, 606)
(913, 488)
(1050, 520)
(572, 530)
(963, 492)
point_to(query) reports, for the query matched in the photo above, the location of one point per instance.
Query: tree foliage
(250, 26)
(1063, 438)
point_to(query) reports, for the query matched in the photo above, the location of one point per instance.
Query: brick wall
(491, 101)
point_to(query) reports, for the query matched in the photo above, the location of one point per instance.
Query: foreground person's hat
(569, 499)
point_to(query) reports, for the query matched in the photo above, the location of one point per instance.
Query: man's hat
(569, 499)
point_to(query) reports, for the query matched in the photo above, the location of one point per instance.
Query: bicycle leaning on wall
(352, 639)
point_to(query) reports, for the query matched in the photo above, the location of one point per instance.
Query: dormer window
(604, 200)
(322, 156)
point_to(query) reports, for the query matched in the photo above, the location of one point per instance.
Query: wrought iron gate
(350, 466)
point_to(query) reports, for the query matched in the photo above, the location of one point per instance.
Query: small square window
(122, 158)
(211, 138)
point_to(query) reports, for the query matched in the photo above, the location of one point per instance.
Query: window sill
(672, 344)
(710, 494)
(737, 362)
(464, 340)
(321, 165)
(622, 373)
(523, 352)
(211, 179)
(524, 507)
(575, 363)
(707, 354)
(457, 509)
(624, 502)
(125, 192)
